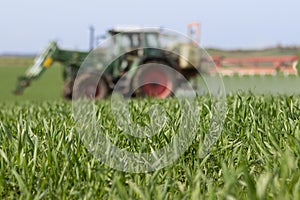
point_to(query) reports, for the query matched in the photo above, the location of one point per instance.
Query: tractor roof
(133, 29)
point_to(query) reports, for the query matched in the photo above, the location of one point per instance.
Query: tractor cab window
(152, 40)
(125, 41)
(136, 40)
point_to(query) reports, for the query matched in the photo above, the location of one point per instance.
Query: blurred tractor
(142, 64)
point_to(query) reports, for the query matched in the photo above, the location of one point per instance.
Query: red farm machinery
(263, 65)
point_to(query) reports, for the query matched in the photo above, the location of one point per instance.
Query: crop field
(43, 156)
(256, 156)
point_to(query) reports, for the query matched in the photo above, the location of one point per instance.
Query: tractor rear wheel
(89, 86)
(154, 80)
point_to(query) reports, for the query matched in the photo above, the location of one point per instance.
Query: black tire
(88, 86)
(154, 80)
(68, 88)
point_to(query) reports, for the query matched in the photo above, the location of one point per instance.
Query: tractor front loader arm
(41, 63)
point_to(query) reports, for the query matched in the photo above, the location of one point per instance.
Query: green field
(256, 156)
(49, 85)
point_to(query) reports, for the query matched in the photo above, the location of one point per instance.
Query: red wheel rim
(92, 90)
(156, 83)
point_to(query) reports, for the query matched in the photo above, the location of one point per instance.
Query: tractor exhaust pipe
(92, 37)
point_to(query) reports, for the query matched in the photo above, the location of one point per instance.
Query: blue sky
(28, 26)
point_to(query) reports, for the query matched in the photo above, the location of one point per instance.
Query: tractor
(141, 64)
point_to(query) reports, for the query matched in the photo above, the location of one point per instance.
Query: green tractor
(141, 63)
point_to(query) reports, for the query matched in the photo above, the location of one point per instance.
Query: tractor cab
(133, 38)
